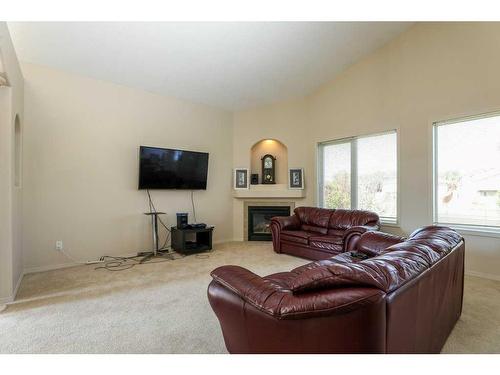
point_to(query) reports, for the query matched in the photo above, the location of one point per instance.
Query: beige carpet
(163, 308)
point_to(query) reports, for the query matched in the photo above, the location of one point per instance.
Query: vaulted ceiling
(229, 65)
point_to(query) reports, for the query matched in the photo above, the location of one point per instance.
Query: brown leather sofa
(319, 233)
(405, 297)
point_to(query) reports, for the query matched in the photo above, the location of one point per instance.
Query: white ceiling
(229, 65)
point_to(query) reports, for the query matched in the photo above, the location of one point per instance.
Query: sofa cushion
(318, 217)
(388, 271)
(313, 228)
(336, 232)
(345, 219)
(298, 236)
(376, 243)
(327, 242)
(386, 275)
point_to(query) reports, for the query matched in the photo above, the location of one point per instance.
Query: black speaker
(254, 179)
(182, 220)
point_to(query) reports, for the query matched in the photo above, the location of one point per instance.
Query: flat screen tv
(163, 168)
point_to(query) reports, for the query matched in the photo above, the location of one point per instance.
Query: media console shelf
(192, 240)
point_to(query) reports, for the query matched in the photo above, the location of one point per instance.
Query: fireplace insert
(259, 218)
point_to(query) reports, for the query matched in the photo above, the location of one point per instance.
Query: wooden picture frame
(296, 178)
(241, 178)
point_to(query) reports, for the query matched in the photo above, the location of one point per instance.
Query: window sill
(474, 231)
(389, 223)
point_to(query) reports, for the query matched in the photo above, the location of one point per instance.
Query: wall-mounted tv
(163, 168)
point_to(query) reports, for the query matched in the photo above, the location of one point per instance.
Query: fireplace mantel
(269, 191)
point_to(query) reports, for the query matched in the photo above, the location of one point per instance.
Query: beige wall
(283, 122)
(434, 71)
(76, 127)
(11, 105)
(81, 164)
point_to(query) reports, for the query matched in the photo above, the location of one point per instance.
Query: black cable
(125, 263)
(117, 263)
(192, 204)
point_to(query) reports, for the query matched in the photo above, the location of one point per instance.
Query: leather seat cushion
(336, 232)
(327, 242)
(345, 219)
(311, 228)
(298, 236)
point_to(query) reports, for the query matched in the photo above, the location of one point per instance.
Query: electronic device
(182, 220)
(194, 226)
(163, 168)
(198, 225)
(254, 179)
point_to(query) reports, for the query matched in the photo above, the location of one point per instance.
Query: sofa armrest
(286, 222)
(282, 303)
(250, 287)
(352, 235)
(279, 223)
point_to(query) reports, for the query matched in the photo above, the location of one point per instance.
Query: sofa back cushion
(376, 243)
(345, 219)
(388, 271)
(313, 216)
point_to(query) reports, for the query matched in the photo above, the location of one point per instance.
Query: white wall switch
(59, 245)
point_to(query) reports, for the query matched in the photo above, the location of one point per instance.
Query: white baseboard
(18, 284)
(49, 267)
(5, 300)
(12, 297)
(53, 267)
(483, 275)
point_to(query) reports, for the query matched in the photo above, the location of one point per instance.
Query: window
(467, 172)
(360, 173)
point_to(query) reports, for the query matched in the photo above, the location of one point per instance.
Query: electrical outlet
(59, 245)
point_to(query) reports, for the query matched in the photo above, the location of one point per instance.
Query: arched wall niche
(276, 148)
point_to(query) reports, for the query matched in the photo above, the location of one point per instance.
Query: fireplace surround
(259, 218)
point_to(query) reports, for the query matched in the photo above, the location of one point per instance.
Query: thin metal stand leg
(154, 223)
(154, 231)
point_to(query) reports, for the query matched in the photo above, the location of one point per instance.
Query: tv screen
(163, 168)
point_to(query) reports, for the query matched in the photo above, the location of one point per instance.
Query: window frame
(472, 229)
(386, 221)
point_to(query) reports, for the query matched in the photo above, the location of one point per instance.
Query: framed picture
(240, 178)
(296, 178)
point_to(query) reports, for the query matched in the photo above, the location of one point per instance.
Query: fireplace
(259, 218)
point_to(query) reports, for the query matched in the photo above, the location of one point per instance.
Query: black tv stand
(192, 240)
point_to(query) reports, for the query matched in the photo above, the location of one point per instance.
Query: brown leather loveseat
(319, 233)
(391, 295)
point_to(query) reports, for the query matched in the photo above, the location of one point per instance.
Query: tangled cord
(115, 263)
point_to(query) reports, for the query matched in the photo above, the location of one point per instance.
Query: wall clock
(268, 169)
